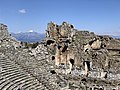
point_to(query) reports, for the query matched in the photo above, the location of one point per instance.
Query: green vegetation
(31, 45)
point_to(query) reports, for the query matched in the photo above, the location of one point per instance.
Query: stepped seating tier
(12, 77)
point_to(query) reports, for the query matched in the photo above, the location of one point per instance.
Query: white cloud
(22, 11)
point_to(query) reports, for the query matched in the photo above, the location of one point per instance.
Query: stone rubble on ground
(67, 59)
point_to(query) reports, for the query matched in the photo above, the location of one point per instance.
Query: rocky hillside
(67, 59)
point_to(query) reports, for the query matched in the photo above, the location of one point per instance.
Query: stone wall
(3, 31)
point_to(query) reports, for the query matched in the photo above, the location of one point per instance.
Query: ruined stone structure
(67, 59)
(84, 50)
(3, 31)
(62, 36)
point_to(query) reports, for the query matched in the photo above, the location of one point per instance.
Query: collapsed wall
(60, 38)
(65, 46)
(81, 49)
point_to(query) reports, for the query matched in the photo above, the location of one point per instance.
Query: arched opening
(72, 61)
(50, 42)
(53, 57)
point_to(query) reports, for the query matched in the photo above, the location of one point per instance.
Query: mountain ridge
(29, 36)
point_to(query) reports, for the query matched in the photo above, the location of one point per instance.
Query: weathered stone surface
(87, 53)
(3, 31)
(67, 59)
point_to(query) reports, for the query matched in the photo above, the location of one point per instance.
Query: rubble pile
(67, 59)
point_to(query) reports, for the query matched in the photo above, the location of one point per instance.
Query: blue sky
(99, 16)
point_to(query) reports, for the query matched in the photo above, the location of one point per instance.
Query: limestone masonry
(67, 59)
